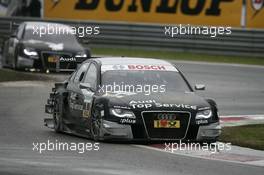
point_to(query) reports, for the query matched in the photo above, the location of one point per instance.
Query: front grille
(58, 64)
(192, 132)
(166, 133)
(138, 131)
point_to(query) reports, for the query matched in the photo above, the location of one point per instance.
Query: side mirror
(86, 86)
(13, 35)
(78, 66)
(81, 76)
(88, 52)
(199, 87)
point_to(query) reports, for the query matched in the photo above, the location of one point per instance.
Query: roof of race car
(129, 63)
(131, 60)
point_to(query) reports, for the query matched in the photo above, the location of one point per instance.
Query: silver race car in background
(39, 46)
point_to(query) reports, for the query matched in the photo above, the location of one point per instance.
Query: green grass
(251, 136)
(170, 55)
(10, 75)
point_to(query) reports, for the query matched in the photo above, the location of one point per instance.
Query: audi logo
(166, 116)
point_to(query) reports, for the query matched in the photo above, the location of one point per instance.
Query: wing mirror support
(13, 35)
(86, 86)
(199, 87)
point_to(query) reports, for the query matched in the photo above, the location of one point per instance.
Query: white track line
(256, 117)
(202, 156)
(254, 163)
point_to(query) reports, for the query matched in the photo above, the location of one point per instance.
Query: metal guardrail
(242, 42)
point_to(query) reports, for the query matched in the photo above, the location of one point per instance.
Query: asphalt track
(237, 90)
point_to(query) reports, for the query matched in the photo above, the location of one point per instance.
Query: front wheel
(15, 64)
(57, 115)
(96, 124)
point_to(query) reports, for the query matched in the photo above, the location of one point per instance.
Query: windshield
(54, 38)
(156, 80)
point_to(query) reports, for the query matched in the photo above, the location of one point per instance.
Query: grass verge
(251, 136)
(170, 55)
(10, 75)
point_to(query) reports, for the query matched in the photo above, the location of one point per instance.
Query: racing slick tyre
(209, 142)
(15, 65)
(212, 141)
(96, 124)
(58, 114)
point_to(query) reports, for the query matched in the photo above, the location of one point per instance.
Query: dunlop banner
(194, 12)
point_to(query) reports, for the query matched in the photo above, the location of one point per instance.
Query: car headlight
(121, 113)
(81, 55)
(30, 52)
(204, 114)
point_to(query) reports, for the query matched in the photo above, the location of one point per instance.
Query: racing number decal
(74, 102)
(87, 103)
(87, 110)
(166, 124)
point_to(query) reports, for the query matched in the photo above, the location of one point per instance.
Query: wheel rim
(56, 117)
(96, 128)
(14, 64)
(96, 125)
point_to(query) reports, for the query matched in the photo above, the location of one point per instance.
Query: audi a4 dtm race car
(131, 99)
(44, 46)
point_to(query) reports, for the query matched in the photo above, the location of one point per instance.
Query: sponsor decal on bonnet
(152, 103)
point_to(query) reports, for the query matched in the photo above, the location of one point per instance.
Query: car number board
(166, 123)
(53, 59)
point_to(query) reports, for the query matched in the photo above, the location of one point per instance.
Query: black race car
(44, 46)
(131, 99)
